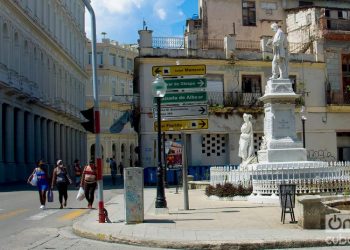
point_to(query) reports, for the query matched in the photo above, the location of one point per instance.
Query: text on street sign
(179, 70)
(177, 125)
(186, 83)
(185, 97)
(182, 111)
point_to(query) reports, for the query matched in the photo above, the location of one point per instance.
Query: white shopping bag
(81, 194)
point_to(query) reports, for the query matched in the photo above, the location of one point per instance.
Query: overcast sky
(121, 19)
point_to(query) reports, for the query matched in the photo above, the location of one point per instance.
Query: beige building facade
(42, 85)
(238, 65)
(115, 72)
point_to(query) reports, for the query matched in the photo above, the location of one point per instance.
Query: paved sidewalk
(209, 224)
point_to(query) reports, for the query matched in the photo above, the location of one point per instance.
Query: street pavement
(24, 226)
(208, 224)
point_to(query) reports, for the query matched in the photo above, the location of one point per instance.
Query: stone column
(30, 127)
(57, 141)
(51, 142)
(10, 174)
(2, 167)
(145, 42)
(63, 144)
(229, 45)
(74, 145)
(37, 137)
(20, 145)
(44, 140)
(69, 146)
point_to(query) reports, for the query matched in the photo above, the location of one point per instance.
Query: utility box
(133, 195)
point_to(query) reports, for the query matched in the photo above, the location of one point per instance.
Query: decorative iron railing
(337, 24)
(247, 45)
(309, 177)
(211, 44)
(234, 99)
(168, 42)
(338, 98)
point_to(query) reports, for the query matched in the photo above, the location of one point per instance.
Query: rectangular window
(251, 83)
(90, 58)
(129, 64)
(268, 6)
(99, 58)
(112, 59)
(346, 77)
(293, 78)
(122, 61)
(248, 13)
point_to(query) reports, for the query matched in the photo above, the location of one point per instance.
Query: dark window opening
(248, 13)
(305, 3)
(251, 84)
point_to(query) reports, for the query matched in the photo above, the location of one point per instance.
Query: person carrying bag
(61, 179)
(89, 182)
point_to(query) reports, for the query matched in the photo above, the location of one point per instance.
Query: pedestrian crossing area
(52, 213)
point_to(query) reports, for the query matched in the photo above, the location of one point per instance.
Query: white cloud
(161, 13)
(121, 19)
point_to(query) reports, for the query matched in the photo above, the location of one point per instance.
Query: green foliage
(228, 190)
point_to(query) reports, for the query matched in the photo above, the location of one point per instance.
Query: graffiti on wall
(320, 155)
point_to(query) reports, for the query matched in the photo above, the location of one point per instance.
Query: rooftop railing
(168, 42)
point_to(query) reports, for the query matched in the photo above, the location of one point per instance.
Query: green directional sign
(186, 83)
(185, 97)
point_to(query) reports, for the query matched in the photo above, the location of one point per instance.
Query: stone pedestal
(280, 142)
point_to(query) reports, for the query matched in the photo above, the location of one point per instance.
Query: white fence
(309, 177)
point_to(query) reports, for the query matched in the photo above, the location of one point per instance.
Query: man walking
(113, 166)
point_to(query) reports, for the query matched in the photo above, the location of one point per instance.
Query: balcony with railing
(335, 29)
(234, 99)
(336, 24)
(241, 99)
(338, 98)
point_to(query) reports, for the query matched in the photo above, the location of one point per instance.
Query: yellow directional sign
(179, 70)
(176, 125)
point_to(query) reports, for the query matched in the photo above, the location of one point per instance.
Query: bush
(228, 190)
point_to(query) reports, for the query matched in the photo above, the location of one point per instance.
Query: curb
(215, 245)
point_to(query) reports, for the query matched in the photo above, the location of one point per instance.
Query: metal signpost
(185, 97)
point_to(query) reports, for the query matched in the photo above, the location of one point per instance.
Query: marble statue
(279, 46)
(246, 145)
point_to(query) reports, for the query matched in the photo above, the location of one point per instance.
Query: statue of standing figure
(246, 145)
(279, 46)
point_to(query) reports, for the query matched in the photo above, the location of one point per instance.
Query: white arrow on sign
(182, 111)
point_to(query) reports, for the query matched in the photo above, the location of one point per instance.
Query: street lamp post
(158, 92)
(303, 119)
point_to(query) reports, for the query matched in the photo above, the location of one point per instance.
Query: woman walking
(61, 179)
(89, 182)
(42, 182)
